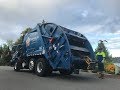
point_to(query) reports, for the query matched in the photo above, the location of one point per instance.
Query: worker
(100, 56)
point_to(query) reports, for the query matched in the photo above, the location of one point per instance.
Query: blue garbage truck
(49, 47)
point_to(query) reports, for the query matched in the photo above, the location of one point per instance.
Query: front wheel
(17, 66)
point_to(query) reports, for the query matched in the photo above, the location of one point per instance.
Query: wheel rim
(39, 67)
(31, 65)
(15, 65)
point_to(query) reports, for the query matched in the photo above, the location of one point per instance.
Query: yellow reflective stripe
(101, 53)
(98, 53)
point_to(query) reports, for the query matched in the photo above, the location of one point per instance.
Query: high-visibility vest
(100, 56)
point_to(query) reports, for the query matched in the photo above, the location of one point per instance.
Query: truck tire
(66, 72)
(32, 65)
(17, 66)
(42, 67)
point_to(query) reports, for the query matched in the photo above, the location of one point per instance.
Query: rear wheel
(31, 65)
(42, 67)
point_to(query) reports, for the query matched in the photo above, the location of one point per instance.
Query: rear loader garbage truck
(49, 47)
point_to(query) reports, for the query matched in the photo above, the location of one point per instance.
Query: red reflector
(51, 40)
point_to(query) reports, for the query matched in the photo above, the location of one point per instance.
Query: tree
(10, 44)
(19, 40)
(103, 47)
(1, 50)
(5, 54)
(5, 49)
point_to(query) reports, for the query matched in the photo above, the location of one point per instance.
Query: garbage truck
(49, 47)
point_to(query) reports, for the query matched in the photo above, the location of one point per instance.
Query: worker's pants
(100, 67)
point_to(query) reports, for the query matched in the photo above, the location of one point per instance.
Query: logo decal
(28, 42)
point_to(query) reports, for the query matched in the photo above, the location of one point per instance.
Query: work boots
(101, 75)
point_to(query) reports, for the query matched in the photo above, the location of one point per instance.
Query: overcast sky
(96, 19)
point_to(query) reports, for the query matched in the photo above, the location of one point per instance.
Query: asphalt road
(24, 80)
